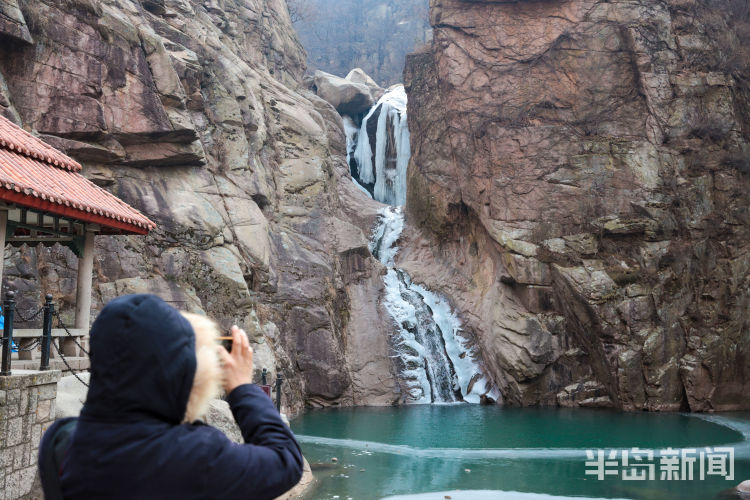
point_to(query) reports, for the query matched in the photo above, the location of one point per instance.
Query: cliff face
(580, 173)
(190, 111)
(374, 35)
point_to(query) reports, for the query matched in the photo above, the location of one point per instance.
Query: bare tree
(301, 10)
(374, 35)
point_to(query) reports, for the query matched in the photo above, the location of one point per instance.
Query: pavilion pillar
(3, 230)
(83, 290)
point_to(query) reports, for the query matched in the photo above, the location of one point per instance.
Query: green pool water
(506, 452)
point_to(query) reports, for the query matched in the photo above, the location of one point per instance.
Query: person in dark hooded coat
(153, 371)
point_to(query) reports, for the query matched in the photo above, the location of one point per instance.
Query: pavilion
(44, 199)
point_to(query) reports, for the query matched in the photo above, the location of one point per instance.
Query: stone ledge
(28, 378)
(76, 363)
(12, 22)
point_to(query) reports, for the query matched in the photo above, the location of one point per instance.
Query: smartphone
(226, 342)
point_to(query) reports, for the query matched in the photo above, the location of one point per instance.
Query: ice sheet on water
(482, 495)
(741, 425)
(458, 454)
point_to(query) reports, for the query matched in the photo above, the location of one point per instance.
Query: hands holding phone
(237, 364)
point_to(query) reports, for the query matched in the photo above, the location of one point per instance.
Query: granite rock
(346, 95)
(193, 112)
(581, 166)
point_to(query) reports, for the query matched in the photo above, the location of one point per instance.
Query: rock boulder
(358, 75)
(347, 96)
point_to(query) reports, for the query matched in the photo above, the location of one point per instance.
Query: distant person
(13, 346)
(153, 373)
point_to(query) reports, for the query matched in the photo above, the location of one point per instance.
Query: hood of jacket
(143, 361)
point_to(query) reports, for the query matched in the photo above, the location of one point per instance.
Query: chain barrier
(31, 346)
(30, 318)
(60, 324)
(24, 319)
(12, 315)
(65, 362)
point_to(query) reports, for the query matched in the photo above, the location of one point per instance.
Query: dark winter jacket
(130, 442)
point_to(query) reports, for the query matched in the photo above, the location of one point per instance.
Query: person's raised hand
(238, 364)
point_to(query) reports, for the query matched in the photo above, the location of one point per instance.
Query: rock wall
(191, 111)
(580, 177)
(27, 408)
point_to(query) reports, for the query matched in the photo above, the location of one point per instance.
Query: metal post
(3, 235)
(278, 391)
(264, 383)
(49, 311)
(9, 308)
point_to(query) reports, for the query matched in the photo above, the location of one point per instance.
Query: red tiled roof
(14, 138)
(36, 175)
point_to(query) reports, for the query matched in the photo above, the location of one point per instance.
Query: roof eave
(108, 225)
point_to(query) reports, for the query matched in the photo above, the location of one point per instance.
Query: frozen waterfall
(381, 172)
(436, 366)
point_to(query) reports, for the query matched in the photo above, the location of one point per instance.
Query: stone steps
(76, 363)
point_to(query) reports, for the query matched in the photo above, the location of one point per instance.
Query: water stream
(436, 365)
